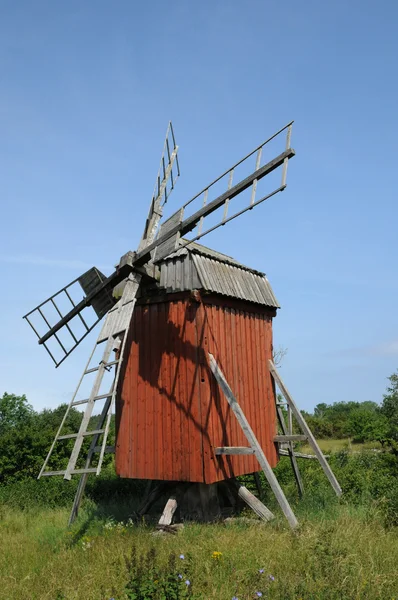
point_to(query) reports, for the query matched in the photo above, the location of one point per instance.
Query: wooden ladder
(114, 335)
(255, 448)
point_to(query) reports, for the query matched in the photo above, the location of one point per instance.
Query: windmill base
(199, 502)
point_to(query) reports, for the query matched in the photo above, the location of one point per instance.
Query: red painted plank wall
(170, 414)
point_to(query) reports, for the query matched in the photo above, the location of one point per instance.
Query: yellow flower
(216, 555)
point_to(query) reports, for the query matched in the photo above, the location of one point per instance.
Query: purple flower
(271, 577)
(235, 598)
(180, 576)
(182, 556)
(187, 582)
(261, 571)
(259, 594)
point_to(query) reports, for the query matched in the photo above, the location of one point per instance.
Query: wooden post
(255, 504)
(251, 438)
(301, 421)
(168, 512)
(293, 460)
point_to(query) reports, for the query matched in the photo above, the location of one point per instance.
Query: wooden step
(290, 438)
(230, 450)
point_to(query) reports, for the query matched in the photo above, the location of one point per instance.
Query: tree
(389, 409)
(14, 411)
(366, 423)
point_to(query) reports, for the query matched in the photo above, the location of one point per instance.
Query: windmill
(164, 346)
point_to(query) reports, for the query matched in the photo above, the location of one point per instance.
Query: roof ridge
(196, 248)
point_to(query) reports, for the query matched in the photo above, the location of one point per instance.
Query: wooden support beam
(251, 438)
(186, 226)
(296, 470)
(255, 504)
(231, 450)
(304, 427)
(300, 454)
(290, 438)
(168, 512)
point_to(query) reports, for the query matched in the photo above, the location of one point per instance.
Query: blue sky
(86, 91)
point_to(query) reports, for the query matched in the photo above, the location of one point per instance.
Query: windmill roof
(194, 266)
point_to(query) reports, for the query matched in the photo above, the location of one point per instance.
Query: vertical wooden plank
(248, 361)
(153, 417)
(207, 324)
(172, 390)
(219, 412)
(134, 399)
(166, 369)
(264, 409)
(185, 391)
(194, 416)
(238, 462)
(139, 448)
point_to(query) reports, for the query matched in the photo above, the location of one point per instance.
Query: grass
(332, 445)
(339, 553)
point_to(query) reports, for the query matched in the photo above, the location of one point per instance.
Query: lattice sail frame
(175, 227)
(102, 303)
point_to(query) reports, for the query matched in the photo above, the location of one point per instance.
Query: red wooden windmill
(186, 328)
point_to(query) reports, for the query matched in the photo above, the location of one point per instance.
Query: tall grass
(348, 556)
(344, 549)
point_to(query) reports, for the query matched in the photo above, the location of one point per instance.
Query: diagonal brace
(251, 438)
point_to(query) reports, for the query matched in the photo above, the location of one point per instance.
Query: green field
(346, 553)
(331, 445)
(344, 548)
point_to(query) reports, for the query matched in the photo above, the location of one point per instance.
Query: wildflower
(182, 556)
(261, 571)
(271, 577)
(179, 576)
(187, 582)
(216, 555)
(259, 594)
(235, 598)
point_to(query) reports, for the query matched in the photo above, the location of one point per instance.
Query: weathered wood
(255, 504)
(251, 438)
(302, 423)
(290, 452)
(231, 450)
(189, 223)
(300, 454)
(168, 512)
(290, 438)
(93, 448)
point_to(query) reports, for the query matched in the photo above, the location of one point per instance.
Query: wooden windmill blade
(97, 296)
(169, 172)
(177, 226)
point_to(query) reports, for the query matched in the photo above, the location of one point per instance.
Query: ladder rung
(290, 438)
(228, 450)
(105, 365)
(94, 399)
(74, 472)
(108, 449)
(69, 436)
